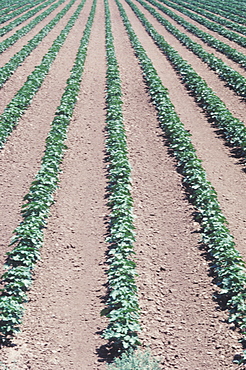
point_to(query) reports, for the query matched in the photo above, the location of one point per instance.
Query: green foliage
(28, 236)
(23, 98)
(230, 10)
(135, 361)
(8, 7)
(228, 264)
(230, 52)
(214, 17)
(240, 40)
(122, 305)
(234, 130)
(24, 17)
(23, 31)
(234, 79)
(17, 9)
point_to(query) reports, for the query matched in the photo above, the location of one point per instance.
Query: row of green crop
(7, 3)
(14, 110)
(16, 22)
(228, 264)
(214, 17)
(231, 6)
(225, 11)
(17, 12)
(8, 69)
(4, 45)
(28, 237)
(240, 40)
(231, 53)
(14, 6)
(122, 304)
(234, 130)
(234, 79)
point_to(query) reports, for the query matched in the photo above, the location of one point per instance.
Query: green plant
(4, 45)
(234, 79)
(230, 52)
(227, 11)
(17, 9)
(25, 16)
(14, 110)
(233, 129)
(137, 360)
(240, 40)
(228, 264)
(122, 304)
(28, 236)
(214, 17)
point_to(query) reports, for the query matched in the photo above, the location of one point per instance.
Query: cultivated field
(97, 95)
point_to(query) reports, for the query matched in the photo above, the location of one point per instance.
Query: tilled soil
(181, 322)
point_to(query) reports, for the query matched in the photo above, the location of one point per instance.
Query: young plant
(23, 98)
(122, 304)
(135, 361)
(4, 45)
(228, 264)
(233, 129)
(28, 237)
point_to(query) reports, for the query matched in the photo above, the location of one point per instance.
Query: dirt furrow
(62, 322)
(210, 20)
(205, 29)
(15, 82)
(62, 325)
(20, 158)
(233, 102)
(21, 24)
(180, 321)
(8, 53)
(223, 169)
(209, 49)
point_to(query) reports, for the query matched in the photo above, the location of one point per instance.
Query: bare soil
(181, 321)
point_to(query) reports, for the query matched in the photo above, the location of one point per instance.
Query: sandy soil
(181, 322)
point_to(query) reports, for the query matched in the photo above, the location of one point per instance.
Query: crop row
(234, 7)
(228, 264)
(28, 237)
(7, 3)
(240, 40)
(4, 45)
(8, 69)
(14, 6)
(233, 129)
(16, 22)
(14, 110)
(215, 18)
(227, 50)
(225, 11)
(234, 79)
(122, 304)
(17, 12)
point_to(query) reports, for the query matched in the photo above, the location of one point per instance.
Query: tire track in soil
(21, 156)
(210, 32)
(180, 321)
(224, 171)
(62, 321)
(232, 101)
(16, 81)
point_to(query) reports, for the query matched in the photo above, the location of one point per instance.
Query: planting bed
(182, 321)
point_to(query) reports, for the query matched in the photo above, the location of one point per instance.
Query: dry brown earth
(180, 320)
